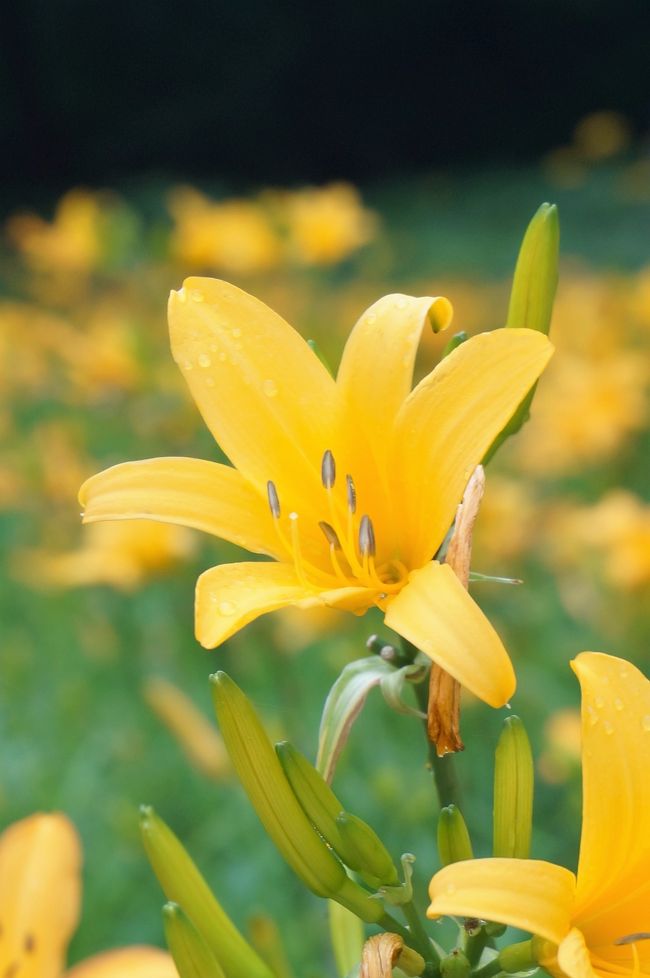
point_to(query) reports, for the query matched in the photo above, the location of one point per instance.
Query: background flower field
(94, 618)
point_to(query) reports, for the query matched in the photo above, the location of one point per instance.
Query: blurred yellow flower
(618, 530)
(122, 555)
(595, 924)
(233, 235)
(70, 243)
(40, 897)
(508, 524)
(325, 224)
(352, 493)
(601, 135)
(197, 736)
(563, 740)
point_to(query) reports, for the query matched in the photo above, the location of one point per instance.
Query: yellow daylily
(350, 484)
(40, 902)
(597, 924)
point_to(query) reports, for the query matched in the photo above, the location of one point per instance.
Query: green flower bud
(371, 854)
(182, 883)
(317, 800)
(192, 956)
(454, 342)
(518, 957)
(455, 965)
(264, 781)
(513, 791)
(535, 279)
(454, 843)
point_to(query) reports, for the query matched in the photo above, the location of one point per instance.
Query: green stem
(442, 768)
(419, 937)
(474, 946)
(393, 926)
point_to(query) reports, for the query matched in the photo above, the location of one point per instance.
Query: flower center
(350, 541)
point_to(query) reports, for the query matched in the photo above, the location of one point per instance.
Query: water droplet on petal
(451, 887)
(223, 356)
(618, 703)
(401, 303)
(600, 702)
(214, 347)
(197, 296)
(270, 388)
(186, 364)
(624, 673)
(371, 318)
(236, 332)
(593, 716)
(204, 360)
(227, 608)
(181, 295)
(209, 381)
(645, 723)
(607, 727)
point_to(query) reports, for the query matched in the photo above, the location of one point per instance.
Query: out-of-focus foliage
(92, 617)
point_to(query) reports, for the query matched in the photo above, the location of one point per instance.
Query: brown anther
(274, 501)
(330, 535)
(633, 938)
(328, 470)
(367, 547)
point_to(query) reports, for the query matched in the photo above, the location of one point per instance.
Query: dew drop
(270, 388)
(223, 356)
(624, 674)
(214, 347)
(607, 727)
(227, 608)
(186, 365)
(371, 318)
(236, 332)
(645, 723)
(600, 702)
(181, 295)
(209, 381)
(618, 703)
(197, 296)
(204, 360)
(451, 887)
(401, 303)
(593, 716)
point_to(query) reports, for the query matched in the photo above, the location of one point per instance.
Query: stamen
(297, 553)
(330, 535)
(351, 494)
(367, 546)
(274, 501)
(632, 938)
(328, 470)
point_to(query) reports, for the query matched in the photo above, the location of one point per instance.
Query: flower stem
(442, 768)
(421, 940)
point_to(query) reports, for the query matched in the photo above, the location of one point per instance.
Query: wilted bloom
(40, 897)
(350, 484)
(231, 235)
(596, 924)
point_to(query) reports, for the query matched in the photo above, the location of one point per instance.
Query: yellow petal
(264, 394)
(614, 869)
(435, 613)
(232, 595)
(528, 893)
(449, 421)
(573, 956)
(127, 962)
(204, 495)
(40, 891)
(374, 378)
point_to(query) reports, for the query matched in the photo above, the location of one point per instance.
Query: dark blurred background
(261, 91)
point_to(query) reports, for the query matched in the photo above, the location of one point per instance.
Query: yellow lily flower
(350, 484)
(597, 924)
(40, 898)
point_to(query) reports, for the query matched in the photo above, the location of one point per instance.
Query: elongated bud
(535, 279)
(513, 791)
(316, 798)
(192, 956)
(182, 883)
(264, 781)
(518, 957)
(268, 941)
(454, 843)
(373, 857)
